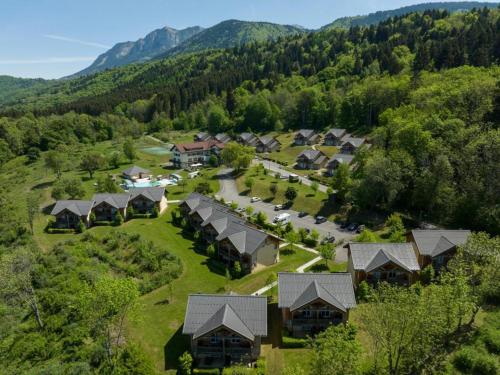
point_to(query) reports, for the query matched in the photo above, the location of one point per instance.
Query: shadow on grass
(43, 185)
(274, 319)
(174, 348)
(246, 192)
(321, 267)
(287, 251)
(48, 209)
(329, 208)
(215, 266)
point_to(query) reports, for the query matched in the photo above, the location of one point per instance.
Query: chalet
(107, 206)
(188, 154)
(375, 262)
(68, 214)
(222, 138)
(311, 159)
(247, 139)
(267, 144)
(135, 173)
(225, 329)
(336, 160)
(202, 137)
(235, 239)
(310, 302)
(334, 137)
(145, 200)
(350, 145)
(436, 247)
(306, 137)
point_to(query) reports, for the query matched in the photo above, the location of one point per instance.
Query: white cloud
(48, 60)
(76, 41)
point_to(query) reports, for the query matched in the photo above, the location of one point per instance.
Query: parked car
(240, 210)
(255, 199)
(282, 219)
(302, 213)
(344, 225)
(360, 229)
(320, 219)
(293, 178)
(352, 227)
(278, 207)
(328, 239)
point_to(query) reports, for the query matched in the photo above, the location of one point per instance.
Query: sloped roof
(244, 238)
(267, 140)
(154, 194)
(222, 137)
(356, 142)
(370, 256)
(435, 242)
(225, 317)
(297, 289)
(338, 133)
(245, 315)
(135, 170)
(342, 158)
(247, 136)
(198, 146)
(202, 136)
(313, 292)
(311, 155)
(305, 133)
(78, 207)
(119, 200)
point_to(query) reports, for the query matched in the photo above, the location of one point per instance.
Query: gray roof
(311, 155)
(245, 315)
(135, 170)
(338, 133)
(154, 194)
(245, 238)
(247, 136)
(306, 133)
(342, 158)
(436, 242)
(370, 256)
(356, 142)
(80, 208)
(298, 289)
(222, 137)
(267, 140)
(119, 200)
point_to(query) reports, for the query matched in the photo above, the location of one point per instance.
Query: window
(392, 274)
(324, 313)
(214, 340)
(235, 340)
(307, 313)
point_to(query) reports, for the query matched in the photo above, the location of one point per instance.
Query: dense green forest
(424, 87)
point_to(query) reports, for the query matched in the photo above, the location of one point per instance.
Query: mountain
(144, 49)
(374, 18)
(232, 33)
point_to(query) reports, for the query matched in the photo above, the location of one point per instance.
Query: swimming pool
(156, 150)
(164, 182)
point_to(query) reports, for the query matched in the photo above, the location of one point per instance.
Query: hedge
(292, 342)
(60, 230)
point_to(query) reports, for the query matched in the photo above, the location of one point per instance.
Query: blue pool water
(165, 182)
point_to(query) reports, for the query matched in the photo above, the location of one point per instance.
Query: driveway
(275, 167)
(229, 192)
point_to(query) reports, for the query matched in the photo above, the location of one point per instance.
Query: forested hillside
(374, 18)
(424, 87)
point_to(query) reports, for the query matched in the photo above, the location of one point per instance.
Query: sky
(55, 38)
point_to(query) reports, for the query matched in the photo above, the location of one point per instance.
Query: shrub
(118, 219)
(185, 363)
(427, 274)
(211, 251)
(469, 360)
(155, 212)
(60, 231)
(491, 338)
(236, 271)
(364, 291)
(80, 228)
(130, 212)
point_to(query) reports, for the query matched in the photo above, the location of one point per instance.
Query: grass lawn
(159, 331)
(307, 200)
(332, 267)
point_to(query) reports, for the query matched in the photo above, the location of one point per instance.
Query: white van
(282, 219)
(175, 177)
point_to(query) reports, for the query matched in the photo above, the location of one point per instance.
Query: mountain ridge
(143, 49)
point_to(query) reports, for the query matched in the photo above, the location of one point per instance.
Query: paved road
(275, 167)
(229, 192)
